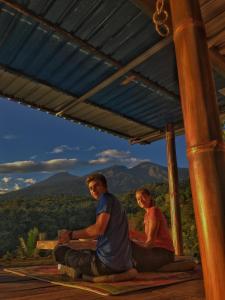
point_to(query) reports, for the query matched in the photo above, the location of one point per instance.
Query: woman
(154, 248)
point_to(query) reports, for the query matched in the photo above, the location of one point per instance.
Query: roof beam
(87, 47)
(148, 8)
(124, 70)
(52, 112)
(32, 78)
(218, 61)
(154, 136)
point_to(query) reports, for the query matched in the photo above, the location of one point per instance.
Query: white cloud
(3, 191)
(43, 166)
(30, 181)
(6, 179)
(26, 180)
(33, 157)
(91, 148)
(16, 187)
(101, 160)
(113, 153)
(113, 156)
(20, 179)
(64, 148)
(9, 137)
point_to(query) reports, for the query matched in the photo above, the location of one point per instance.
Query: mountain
(120, 179)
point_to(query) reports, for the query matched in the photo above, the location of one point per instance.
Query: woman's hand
(148, 244)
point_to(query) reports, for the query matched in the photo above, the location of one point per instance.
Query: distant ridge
(120, 180)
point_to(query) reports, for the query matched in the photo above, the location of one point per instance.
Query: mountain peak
(62, 175)
(120, 180)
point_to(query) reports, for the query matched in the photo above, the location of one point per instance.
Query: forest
(49, 214)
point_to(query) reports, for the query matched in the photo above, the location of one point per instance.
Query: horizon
(36, 145)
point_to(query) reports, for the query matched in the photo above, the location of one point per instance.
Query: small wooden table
(74, 244)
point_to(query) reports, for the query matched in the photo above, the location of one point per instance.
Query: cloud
(113, 153)
(16, 187)
(63, 148)
(33, 157)
(26, 180)
(9, 137)
(30, 166)
(30, 181)
(113, 156)
(3, 191)
(101, 160)
(91, 148)
(6, 179)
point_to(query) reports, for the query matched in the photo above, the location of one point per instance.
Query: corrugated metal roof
(44, 68)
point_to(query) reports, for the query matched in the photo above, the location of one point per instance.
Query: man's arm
(92, 231)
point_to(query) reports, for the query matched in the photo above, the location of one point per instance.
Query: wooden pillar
(205, 149)
(173, 190)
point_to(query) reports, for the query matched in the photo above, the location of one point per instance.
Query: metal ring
(162, 29)
(160, 18)
(159, 6)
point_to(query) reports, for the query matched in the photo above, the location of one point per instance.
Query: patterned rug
(143, 281)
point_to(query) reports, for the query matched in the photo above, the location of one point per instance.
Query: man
(113, 252)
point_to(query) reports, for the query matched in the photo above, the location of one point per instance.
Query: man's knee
(60, 253)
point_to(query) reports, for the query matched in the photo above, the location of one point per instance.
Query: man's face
(96, 188)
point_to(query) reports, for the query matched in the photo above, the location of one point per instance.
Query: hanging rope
(160, 17)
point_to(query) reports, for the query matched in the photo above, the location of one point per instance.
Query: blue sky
(35, 145)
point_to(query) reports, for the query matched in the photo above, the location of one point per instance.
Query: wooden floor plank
(34, 284)
(17, 289)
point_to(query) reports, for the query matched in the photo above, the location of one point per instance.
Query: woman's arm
(151, 227)
(136, 235)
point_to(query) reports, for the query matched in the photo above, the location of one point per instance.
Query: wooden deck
(23, 288)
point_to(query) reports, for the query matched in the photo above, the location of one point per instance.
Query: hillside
(120, 180)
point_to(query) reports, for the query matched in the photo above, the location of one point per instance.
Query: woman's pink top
(162, 238)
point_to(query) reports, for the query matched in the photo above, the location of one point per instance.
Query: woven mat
(143, 281)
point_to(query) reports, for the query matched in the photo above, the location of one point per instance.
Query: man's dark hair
(98, 177)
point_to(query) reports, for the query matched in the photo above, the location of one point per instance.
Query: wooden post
(205, 148)
(173, 190)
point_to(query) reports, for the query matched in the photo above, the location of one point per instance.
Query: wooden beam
(54, 88)
(174, 190)
(21, 101)
(122, 71)
(157, 135)
(87, 47)
(147, 7)
(218, 61)
(205, 147)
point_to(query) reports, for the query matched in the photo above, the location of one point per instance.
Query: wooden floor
(23, 288)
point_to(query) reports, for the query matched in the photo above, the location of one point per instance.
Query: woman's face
(143, 200)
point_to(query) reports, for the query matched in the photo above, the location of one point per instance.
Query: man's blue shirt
(113, 247)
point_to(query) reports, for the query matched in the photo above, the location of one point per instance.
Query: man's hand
(64, 236)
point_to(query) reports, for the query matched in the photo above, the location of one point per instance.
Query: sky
(36, 145)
